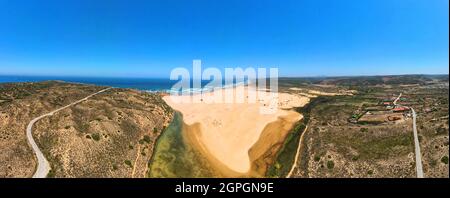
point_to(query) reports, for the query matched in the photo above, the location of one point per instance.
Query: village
(387, 111)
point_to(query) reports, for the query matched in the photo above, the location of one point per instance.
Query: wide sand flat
(229, 130)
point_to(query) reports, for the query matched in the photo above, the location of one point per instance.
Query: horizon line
(156, 77)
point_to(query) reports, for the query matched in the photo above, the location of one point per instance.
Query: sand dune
(228, 131)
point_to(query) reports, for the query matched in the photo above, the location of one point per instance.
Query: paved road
(43, 166)
(419, 169)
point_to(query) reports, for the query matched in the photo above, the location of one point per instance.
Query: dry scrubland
(335, 147)
(20, 103)
(110, 135)
(127, 133)
(431, 105)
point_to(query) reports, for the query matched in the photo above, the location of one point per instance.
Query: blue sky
(149, 38)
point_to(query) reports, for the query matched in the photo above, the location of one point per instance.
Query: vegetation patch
(147, 139)
(286, 155)
(444, 159)
(330, 164)
(128, 163)
(174, 158)
(95, 136)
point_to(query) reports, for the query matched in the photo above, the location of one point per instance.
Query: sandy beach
(228, 131)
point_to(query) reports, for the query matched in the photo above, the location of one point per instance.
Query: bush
(147, 139)
(96, 136)
(155, 130)
(316, 158)
(444, 159)
(128, 163)
(330, 164)
(51, 173)
(364, 129)
(441, 130)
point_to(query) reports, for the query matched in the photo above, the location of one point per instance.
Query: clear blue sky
(149, 38)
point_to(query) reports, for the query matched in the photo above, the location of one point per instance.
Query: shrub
(155, 130)
(277, 165)
(96, 136)
(316, 158)
(330, 164)
(51, 173)
(147, 139)
(130, 147)
(444, 159)
(364, 129)
(441, 129)
(128, 163)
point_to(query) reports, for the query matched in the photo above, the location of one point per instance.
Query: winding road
(398, 98)
(297, 154)
(43, 166)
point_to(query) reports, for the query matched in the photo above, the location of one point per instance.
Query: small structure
(400, 109)
(394, 118)
(387, 103)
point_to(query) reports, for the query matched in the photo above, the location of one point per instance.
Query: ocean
(144, 84)
(147, 84)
